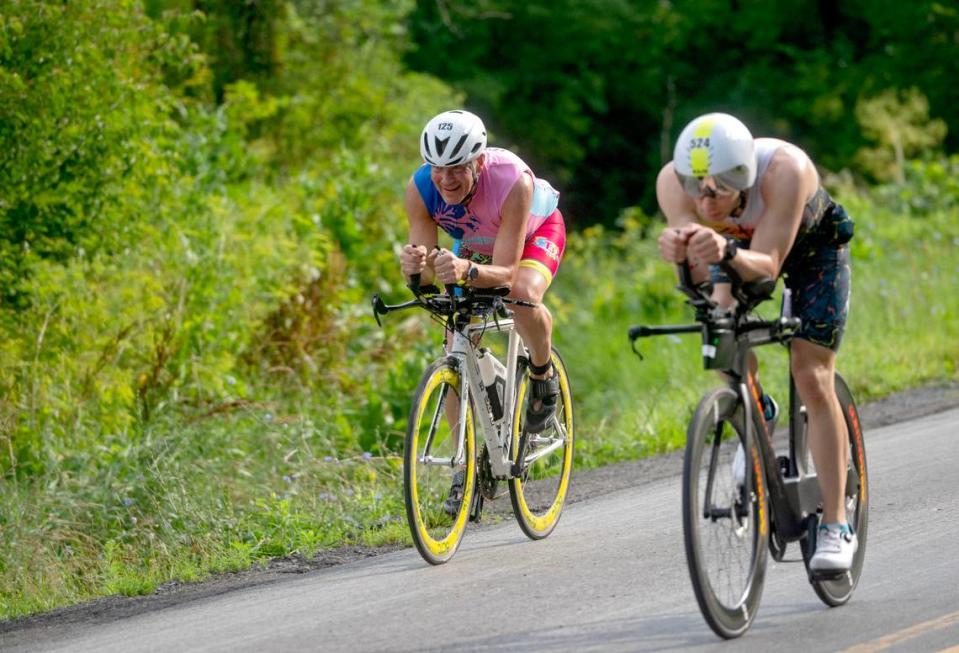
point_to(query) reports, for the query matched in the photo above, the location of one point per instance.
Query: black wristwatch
(731, 250)
(472, 274)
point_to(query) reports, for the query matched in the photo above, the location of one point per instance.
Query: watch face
(473, 273)
(730, 252)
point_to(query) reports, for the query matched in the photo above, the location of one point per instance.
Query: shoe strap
(544, 388)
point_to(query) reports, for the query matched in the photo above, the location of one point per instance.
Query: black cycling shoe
(547, 392)
(455, 499)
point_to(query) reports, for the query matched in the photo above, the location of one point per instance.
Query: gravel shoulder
(586, 484)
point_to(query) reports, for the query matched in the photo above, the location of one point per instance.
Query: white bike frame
(498, 433)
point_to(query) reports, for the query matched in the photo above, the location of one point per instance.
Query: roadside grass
(193, 494)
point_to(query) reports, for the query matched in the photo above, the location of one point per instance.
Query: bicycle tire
(728, 583)
(436, 534)
(539, 492)
(836, 592)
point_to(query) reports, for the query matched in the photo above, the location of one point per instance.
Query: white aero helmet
(715, 145)
(453, 138)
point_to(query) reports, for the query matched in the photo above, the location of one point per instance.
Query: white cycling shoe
(835, 549)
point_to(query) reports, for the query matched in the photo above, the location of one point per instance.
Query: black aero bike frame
(779, 495)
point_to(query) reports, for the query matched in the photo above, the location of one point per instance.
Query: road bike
(739, 505)
(469, 386)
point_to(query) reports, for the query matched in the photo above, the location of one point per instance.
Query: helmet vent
(441, 145)
(459, 144)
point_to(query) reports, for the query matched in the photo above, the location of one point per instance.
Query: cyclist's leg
(814, 368)
(535, 325)
(820, 283)
(538, 264)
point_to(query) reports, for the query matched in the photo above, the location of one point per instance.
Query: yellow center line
(892, 639)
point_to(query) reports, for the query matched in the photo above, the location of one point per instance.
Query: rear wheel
(431, 460)
(725, 514)
(539, 491)
(837, 591)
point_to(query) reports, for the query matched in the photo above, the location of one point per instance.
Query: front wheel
(539, 490)
(725, 514)
(431, 460)
(837, 591)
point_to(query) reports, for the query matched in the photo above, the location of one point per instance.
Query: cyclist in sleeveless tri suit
(510, 229)
(759, 205)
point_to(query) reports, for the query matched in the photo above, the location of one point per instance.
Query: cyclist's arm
(789, 179)
(680, 211)
(511, 237)
(422, 229)
(678, 207)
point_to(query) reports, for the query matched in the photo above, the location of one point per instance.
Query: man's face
(714, 200)
(454, 182)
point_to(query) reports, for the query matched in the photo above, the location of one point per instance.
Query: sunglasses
(710, 187)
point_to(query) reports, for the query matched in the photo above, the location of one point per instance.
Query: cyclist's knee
(530, 285)
(814, 373)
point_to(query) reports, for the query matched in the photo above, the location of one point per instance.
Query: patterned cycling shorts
(819, 278)
(543, 250)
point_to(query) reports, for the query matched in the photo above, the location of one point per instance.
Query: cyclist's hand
(672, 245)
(413, 259)
(704, 244)
(449, 268)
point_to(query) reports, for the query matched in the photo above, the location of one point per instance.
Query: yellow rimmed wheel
(539, 491)
(437, 512)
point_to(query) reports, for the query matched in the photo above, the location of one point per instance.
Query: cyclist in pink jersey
(510, 229)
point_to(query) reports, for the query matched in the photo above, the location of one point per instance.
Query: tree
(898, 121)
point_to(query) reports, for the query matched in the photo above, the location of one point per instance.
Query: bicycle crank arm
(713, 513)
(438, 460)
(544, 451)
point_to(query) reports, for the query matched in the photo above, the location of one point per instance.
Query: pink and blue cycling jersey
(477, 224)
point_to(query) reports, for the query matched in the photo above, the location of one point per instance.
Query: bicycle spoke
(434, 422)
(722, 526)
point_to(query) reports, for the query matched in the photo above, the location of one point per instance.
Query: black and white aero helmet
(453, 138)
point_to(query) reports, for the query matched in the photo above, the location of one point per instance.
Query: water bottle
(493, 375)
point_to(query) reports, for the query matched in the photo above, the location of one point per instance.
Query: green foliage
(80, 115)
(221, 273)
(899, 123)
(594, 92)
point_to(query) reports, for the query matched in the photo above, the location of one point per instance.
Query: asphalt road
(612, 577)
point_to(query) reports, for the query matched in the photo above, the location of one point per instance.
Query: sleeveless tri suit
(476, 224)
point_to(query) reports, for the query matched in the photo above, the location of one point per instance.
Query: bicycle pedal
(827, 575)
